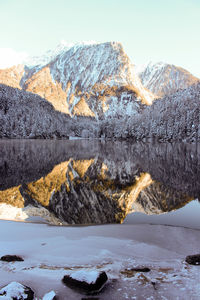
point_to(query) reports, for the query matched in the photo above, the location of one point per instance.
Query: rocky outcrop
(12, 76)
(86, 281)
(12, 258)
(164, 79)
(193, 259)
(16, 291)
(93, 80)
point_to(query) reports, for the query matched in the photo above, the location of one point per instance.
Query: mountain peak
(86, 78)
(62, 47)
(164, 79)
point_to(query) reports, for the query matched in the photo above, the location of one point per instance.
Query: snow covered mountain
(164, 79)
(51, 54)
(87, 79)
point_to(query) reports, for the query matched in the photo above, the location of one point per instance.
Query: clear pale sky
(158, 30)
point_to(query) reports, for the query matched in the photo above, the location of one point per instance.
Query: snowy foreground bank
(51, 252)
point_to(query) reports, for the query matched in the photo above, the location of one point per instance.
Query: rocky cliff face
(95, 80)
(93, 91)
(12, 76)
(164, 79)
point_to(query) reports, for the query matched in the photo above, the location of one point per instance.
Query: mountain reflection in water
(96, 182)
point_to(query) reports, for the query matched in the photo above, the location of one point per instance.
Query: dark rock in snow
(193, 259)
(141, 269)
(87, 281)
(154, 285)
(16, 291)
(130, 272)
(10, 258)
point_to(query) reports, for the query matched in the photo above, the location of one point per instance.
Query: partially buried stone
(193, 259)
(141, 269)
(10, 258)
(130, 272)
(16, 291)
(50, 296)
(88, 281)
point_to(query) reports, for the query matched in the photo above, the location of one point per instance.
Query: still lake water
(100, 182)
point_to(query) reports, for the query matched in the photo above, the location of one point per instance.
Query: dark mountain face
(174, 117)
(27, 115)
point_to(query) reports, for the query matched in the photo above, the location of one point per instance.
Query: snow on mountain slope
(164, 79)
(50, 55)
(90, 79)
(12, 76)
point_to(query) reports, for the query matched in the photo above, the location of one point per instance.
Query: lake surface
(99, 182)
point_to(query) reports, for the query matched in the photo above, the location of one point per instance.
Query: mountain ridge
(86, 79)
(163, 79)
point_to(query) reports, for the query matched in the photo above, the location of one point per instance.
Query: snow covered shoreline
(50, 252)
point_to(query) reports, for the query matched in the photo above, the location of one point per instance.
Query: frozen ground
(50, 252)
